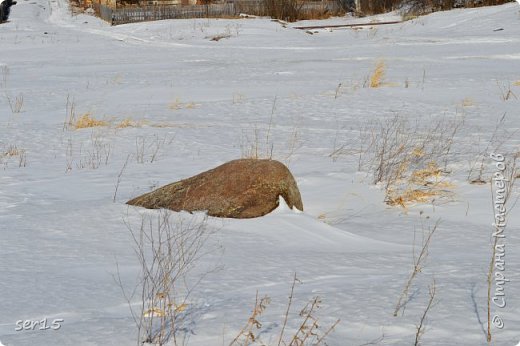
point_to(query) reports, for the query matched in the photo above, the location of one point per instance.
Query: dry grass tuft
(129, 123)
(517, 83)
(377, 77)
(89, 121)
(177, 105)
(247, 334)
(467, 102)
(86, 121)
(13, 151)
(16, 105)
(407, 16)
(411, 196)
(408, 160)
(421, 186)
(167, 247)
(426, 175)
(308, 331)
(505, 91)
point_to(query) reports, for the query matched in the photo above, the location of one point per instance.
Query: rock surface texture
(243, 188)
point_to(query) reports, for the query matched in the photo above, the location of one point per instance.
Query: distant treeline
(421, 6)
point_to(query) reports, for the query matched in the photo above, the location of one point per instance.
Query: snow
(200, 103)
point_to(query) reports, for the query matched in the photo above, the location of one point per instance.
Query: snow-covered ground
(199, 103)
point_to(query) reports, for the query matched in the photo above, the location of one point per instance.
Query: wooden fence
(103, 12)
(148, 13)
(125, 15)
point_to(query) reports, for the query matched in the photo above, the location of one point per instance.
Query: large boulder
(243, 188)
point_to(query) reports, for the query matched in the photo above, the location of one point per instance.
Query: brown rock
(241, 189)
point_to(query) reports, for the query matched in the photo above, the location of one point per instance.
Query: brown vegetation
(417, 7)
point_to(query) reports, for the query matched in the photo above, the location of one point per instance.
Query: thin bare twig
(286, 316)
(417, 267)
(119, 177)
(421, 326)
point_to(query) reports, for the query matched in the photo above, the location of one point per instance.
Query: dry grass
(148, 148)
(238, 98)
(13, 152)
(410, 196)
(88, 121)
(517, 83)
(260, 143)
(96, 152)
(178, 105)
(422, 186)
(128, 122)
(247, 335)
(378, 75)
(91, 153)
(408, 160)
(283, 11)
(419, 260)
(319, 14)
(467, 102)
(308, 331)
(498, 139)
(168, 248)
(16, 105)
(505, 91)
(72, 122)
(407, 16)
(424, 176)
